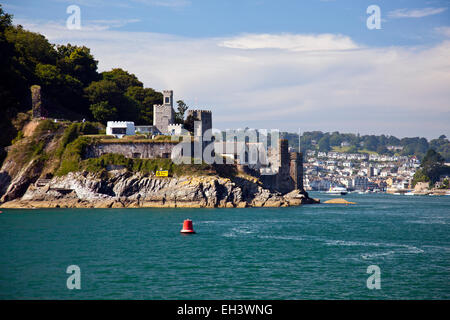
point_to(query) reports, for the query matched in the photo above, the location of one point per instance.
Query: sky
(288, 65)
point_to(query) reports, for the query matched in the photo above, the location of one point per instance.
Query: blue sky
(308, 65)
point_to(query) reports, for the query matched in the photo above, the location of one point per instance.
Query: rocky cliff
(46, 168)
(125, 189)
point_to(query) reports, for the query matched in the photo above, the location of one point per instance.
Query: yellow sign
(162, 173)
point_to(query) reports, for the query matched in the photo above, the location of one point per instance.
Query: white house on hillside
(120, 128)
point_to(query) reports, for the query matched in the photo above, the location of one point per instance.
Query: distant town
(358, 171)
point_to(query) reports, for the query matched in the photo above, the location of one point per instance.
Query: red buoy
(187, 227)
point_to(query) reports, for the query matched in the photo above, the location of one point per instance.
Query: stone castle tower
(202, 121)
(290, 172)
(296, 170)
(163, 114)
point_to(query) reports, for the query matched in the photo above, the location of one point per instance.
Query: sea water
(309, 252)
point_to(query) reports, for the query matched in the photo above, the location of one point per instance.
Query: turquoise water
(309, 252)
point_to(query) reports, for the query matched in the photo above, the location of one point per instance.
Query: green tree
(103, 90)
(382, 149)
(432, 167)
(441, 145)
(353, 149)
(371, 142)
(324, 143)
(420, 176)
(103, 112)
(181, 110)
(106, 90)
(122, 79)
(189, 123)
(432, 158)
(49, 75)
(335, 139)
(145, 99)
(78, 62)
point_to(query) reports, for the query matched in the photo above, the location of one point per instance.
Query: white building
(321, 185)
(360, 183)
(347, 164)
(120, 128)
(347, 182)
(176, 129)
(151, 130)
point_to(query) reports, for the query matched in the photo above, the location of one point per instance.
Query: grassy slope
(60, 146)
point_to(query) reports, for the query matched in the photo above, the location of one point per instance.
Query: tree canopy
(71, 84)
(431, 168)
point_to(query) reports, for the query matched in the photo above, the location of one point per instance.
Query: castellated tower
(296, 170)
(202, 121)
(283, 180)
(290, 172)
(163, 114)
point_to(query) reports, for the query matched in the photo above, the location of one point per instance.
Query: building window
(136, 155)
(167, 100)
(119, 130)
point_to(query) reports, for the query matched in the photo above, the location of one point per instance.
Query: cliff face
(124, 189)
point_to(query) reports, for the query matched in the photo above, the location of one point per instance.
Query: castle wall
(290, 171)
(144, 150)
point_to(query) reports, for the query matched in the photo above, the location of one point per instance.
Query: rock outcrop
(125, 189)
(339, 201)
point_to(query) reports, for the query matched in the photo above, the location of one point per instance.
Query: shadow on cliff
(5, 180)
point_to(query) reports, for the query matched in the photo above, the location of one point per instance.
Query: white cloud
(293, 42)
(108, 24)
(415, 13)
(285, 81)
(58, 30)
(445, 31)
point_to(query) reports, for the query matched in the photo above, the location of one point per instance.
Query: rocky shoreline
(122, 189)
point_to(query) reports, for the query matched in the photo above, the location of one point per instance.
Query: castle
(277, 168)
(164, 118)
(163, 114)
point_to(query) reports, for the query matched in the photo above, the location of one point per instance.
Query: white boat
(337, 191)
(409, 193)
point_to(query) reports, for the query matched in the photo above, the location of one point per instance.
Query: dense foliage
(318, 140)
(72, 87)
(431, 169)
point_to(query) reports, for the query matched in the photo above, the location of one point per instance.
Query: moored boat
(337, 191)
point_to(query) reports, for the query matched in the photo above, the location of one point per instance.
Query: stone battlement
(120, 122)
(199, 111)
